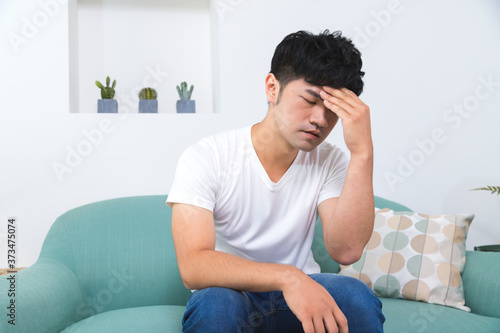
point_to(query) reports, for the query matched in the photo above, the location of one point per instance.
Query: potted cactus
(147, 101)
(107, 104)
(185, 104)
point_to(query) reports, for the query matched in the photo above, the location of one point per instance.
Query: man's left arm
(348, 220)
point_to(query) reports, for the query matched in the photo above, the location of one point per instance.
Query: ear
(272, 88)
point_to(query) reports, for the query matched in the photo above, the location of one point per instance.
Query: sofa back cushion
(121, 251)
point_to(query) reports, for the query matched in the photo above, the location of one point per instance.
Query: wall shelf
(155, 43)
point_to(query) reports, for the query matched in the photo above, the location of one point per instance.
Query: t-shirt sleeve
(195, 181)
(337, 168)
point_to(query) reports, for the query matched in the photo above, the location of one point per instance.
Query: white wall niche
(155, 43)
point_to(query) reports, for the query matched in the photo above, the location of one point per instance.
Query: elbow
(188, 285)
(186, 281)
(189, 280)
(192, 278)
(346, 256)
(191, 271)
(349, 258)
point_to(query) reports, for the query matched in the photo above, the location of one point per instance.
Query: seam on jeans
(273, 303)
(259, 312)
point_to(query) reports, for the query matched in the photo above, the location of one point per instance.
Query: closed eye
(308, 101)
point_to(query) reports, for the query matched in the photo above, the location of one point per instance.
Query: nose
(318, 116)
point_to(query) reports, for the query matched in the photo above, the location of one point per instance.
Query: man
(245, 203)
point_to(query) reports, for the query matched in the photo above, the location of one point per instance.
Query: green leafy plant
(492, 189)
(107, 92)
(147, 93)
(183, 91)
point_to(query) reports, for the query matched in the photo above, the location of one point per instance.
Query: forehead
(300, 86)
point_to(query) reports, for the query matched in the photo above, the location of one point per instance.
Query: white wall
(427, 58)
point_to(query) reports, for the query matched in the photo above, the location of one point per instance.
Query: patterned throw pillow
(416, 257)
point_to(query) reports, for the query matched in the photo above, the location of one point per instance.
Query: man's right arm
(201, 266)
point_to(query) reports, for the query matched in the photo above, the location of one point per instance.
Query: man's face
(301, 117)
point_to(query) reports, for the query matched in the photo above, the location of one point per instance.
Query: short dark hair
(326, 59)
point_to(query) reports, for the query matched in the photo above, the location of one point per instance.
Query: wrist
(362, 156)
(290, 278)
(364, 151)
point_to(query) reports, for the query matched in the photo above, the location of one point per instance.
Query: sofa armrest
(481, 283)
(47, 298)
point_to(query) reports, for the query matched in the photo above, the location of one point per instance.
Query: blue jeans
(224, 310)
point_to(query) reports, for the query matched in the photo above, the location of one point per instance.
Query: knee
(216, 310)
(361, 295)
(362, 307)
(357, 301)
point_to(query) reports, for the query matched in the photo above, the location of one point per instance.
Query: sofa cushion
(159, 318)
(406, 316)
(416, 257)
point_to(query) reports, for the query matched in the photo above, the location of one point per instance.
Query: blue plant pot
(107, 106)
(186, 106)
(148, 106)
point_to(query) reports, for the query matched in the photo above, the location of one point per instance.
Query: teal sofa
(110, 267)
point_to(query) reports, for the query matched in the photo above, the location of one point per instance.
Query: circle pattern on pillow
(424, 244)
(366, 279)
(399, 222)
(449, 273)
(391, 262)
(428, 226)
(420, 266)
(374, 241)
(387, 286)
(367, 261)
(453, 233)
(395, 241)
(415, 256)
(416, 290)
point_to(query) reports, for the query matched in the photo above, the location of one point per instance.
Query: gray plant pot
(148, 106)
(186, 106)
(107, 106)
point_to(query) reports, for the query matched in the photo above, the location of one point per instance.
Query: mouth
(313, 134)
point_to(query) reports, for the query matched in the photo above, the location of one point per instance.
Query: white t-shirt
(256, 218)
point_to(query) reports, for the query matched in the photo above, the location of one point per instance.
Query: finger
(340, 112)
(341, 320)
(340, 92)
(337, 101)
(330, 324)
(308, 326)
(319, 326)
(344, 94)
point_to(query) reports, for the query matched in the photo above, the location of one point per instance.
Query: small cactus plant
(147, 93)
(107, 92)
(184, 94)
